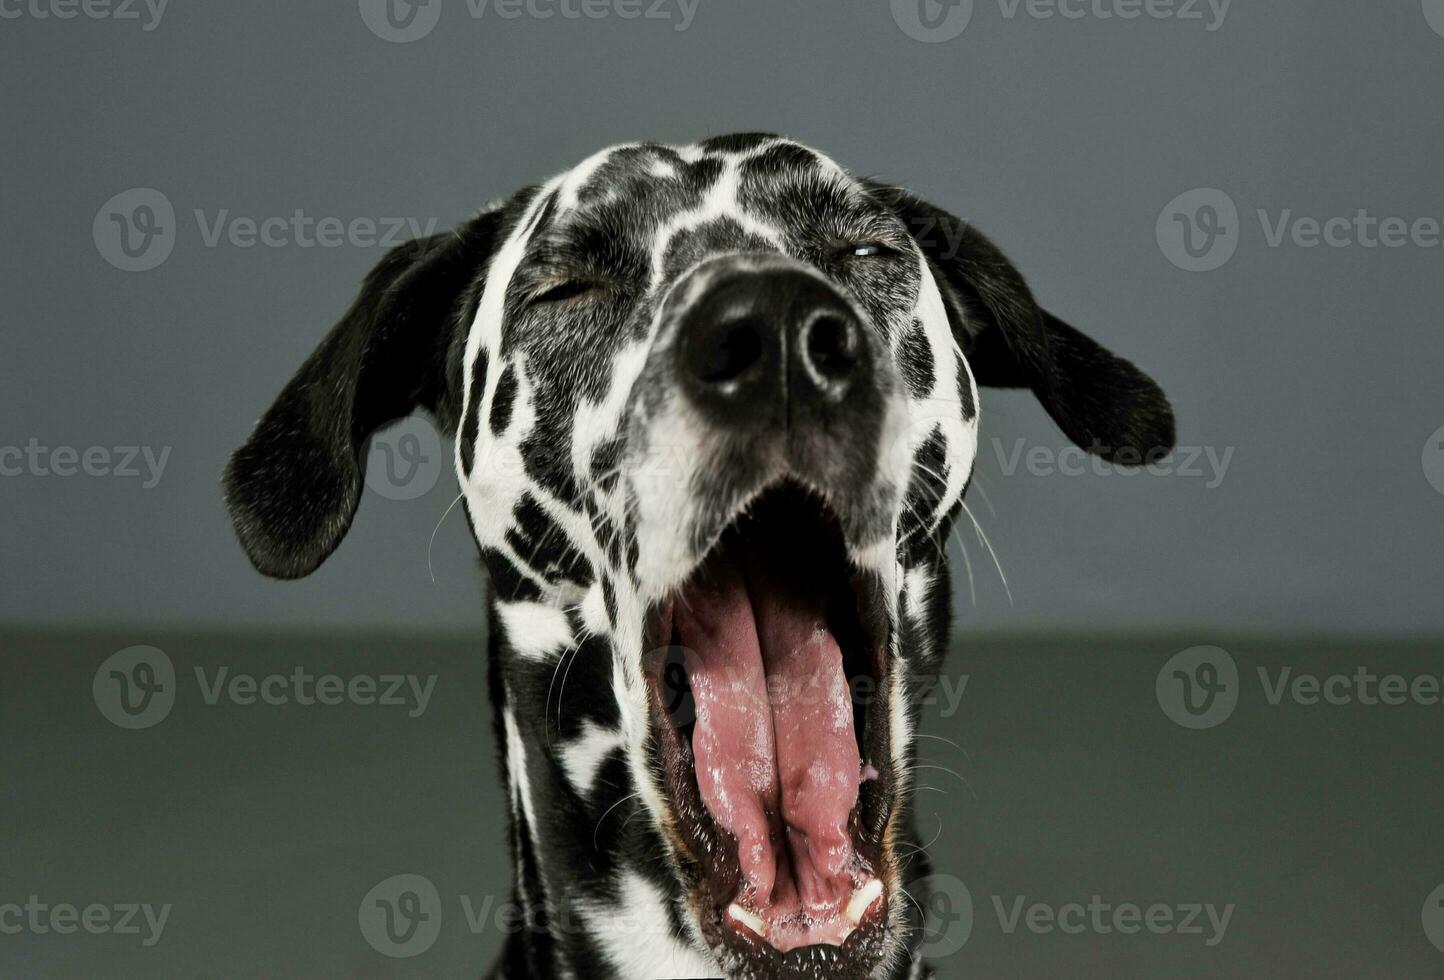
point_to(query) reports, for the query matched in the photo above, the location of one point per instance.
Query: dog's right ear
(1101, 401)
(293, 487)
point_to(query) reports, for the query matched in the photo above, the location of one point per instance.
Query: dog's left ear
(292, 489)
(1101, 402)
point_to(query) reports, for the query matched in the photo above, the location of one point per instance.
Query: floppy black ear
(293, 487)
(1101, 402)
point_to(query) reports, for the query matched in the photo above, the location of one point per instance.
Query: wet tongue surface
(776, 757)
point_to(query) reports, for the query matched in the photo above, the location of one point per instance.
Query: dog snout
(772, 347)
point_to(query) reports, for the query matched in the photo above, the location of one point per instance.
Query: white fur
(535, 631)
(584, 755)
(635, 936)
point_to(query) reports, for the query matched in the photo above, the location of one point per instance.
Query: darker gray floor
(264, 827)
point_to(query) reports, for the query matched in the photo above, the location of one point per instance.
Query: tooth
(862, 900)
(748, 919)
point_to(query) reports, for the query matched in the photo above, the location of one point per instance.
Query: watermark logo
(405, 461)
(149, 12)
(135, 230)
(135, 687)
(1198, 230)
(932, 21)
(1198, 688)
(1432, 917)
(947, 915)
(401, 916)
(1433, 460)
(1434, 14)
(401, 21)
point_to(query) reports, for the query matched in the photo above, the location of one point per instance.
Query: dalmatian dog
(715, 409)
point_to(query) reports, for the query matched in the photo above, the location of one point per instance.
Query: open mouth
(768, 688)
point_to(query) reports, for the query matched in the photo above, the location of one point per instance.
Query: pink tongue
(776, 757)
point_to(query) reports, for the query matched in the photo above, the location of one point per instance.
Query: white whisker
(600, 820)
(438, 528)
(978, 482)
(989, 545)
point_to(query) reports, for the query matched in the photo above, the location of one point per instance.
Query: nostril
(831, 344)
(725, 351)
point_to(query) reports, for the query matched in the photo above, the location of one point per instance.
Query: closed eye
(868, 250)
(566, 289)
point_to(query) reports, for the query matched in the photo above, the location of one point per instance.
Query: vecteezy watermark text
(1208, 463)
(1361, 686)
(144, 463)
(1200, 230)
(1211, 13)
(64, 918)
(404, 21)
(1125, 918)
(136, 688)
(302, 687)
(1200, 687)
(935, 21)
(137, 229)
(148, 11)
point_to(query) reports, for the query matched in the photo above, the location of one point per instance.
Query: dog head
(715, 409)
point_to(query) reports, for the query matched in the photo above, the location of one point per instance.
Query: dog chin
(769, 692)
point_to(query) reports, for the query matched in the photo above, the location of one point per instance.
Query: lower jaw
(830, 925)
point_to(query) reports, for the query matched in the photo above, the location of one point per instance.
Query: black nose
(769, 347)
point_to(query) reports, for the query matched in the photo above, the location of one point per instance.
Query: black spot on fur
(547, 455)
(915, 355)
(501, 402)
(779, 160)
(543, 544)
(609, 599)
(926, 489)
(736, 142)
(698, 177)
(614, 551)
(473, 415)
(606, 458)
(509, 581)
(689, 247)
(587, 694)
(965, 392)
(605, 533)
(544, 213)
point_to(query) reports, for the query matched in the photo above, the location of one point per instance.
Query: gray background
(1318, 369)
(1062, 138)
